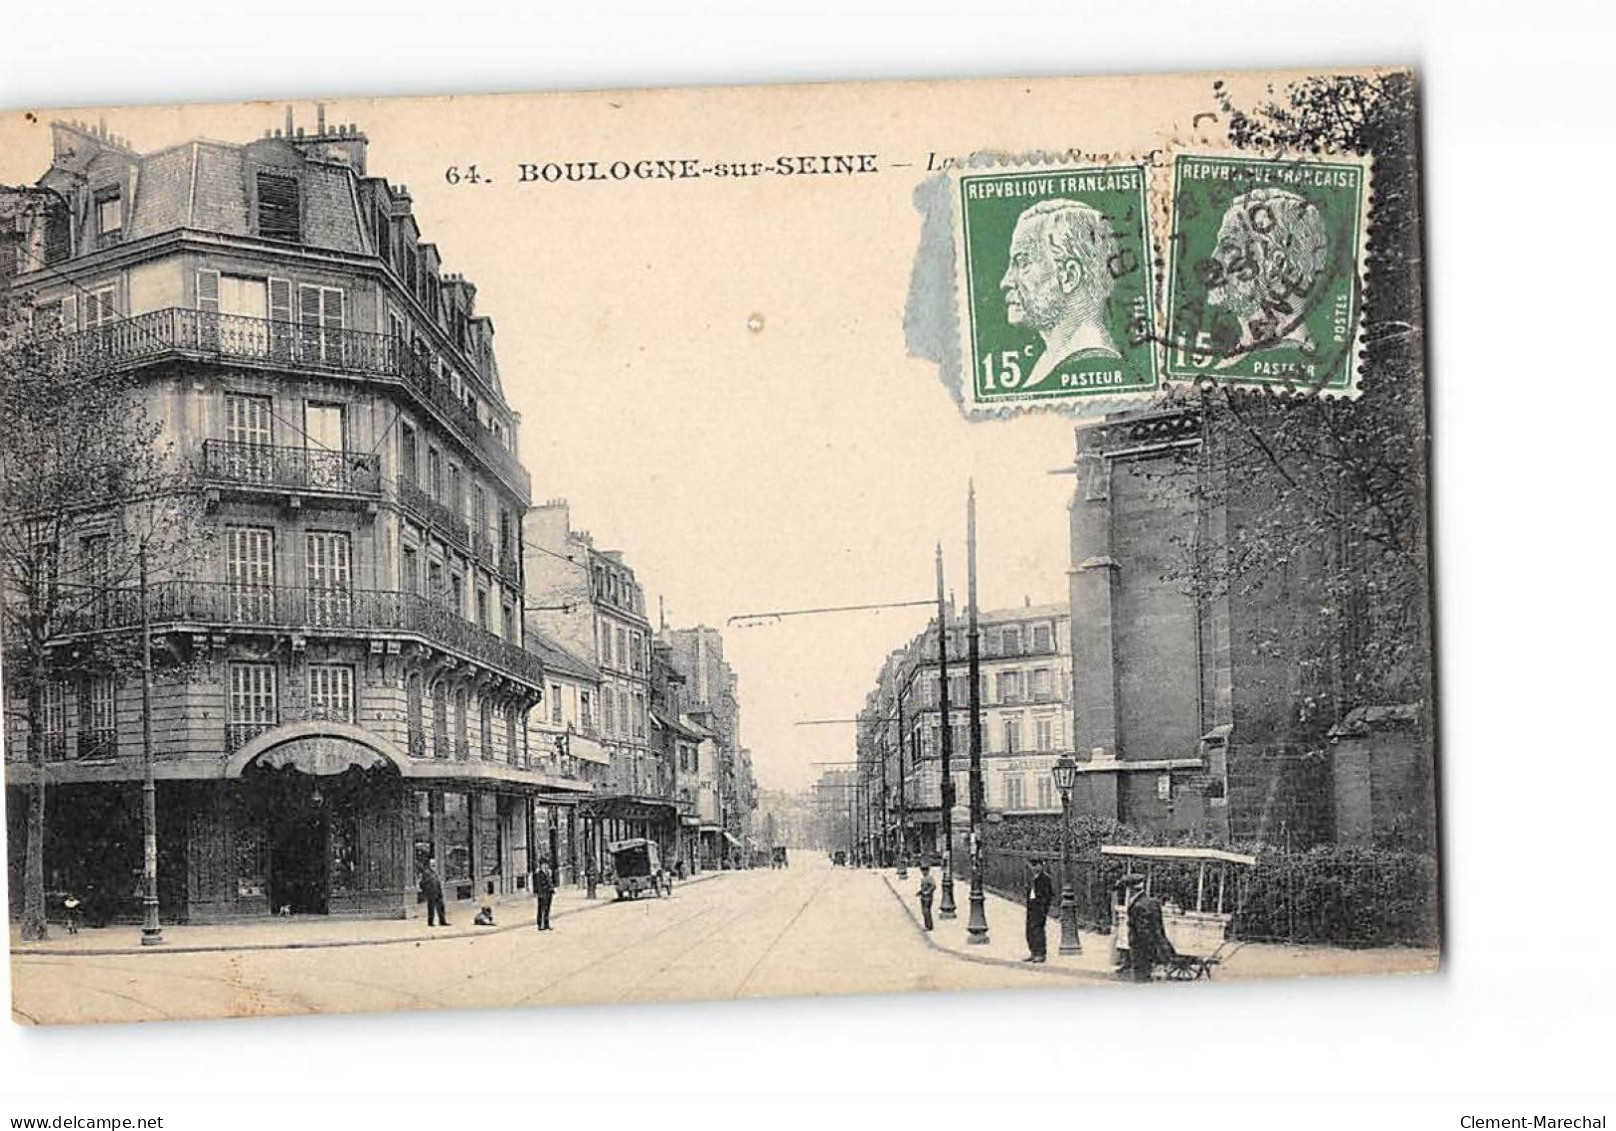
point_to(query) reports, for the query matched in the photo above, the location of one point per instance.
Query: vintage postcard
(688, 544)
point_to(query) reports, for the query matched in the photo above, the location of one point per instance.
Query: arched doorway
(327, 808)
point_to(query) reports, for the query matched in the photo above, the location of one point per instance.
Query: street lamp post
(1065, 772)
(977, 930)
(151, 929)
(945, 908)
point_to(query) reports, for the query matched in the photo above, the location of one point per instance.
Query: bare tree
(89, 488)
(1334, 492)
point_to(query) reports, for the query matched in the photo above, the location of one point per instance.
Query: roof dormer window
(109, 214)
(279, 214)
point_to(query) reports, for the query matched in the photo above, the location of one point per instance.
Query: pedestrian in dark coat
(544, 889)
(432, 893)
(928, 889)
(1040, 894)
(1148, 943)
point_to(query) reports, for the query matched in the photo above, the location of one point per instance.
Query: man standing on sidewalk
(544, 888)
(928, 889)
(1039, 896)
(432, 893)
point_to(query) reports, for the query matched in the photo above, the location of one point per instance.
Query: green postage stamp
(1058, 299)
(1264, 280)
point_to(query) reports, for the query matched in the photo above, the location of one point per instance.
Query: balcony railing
(180, 331)
(292, 608)
(424, 507)
(291, 469)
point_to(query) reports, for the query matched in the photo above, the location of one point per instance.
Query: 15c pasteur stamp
(1056, 295)
(1264, 273)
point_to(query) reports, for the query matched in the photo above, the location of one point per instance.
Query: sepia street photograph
(923, 552)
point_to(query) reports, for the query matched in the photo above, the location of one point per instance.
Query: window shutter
(70, 314)
(333, 316)
(308, 305)
(280, 300)
(278, 211)
(207, 291)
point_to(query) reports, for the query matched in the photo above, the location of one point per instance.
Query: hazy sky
(808, 463)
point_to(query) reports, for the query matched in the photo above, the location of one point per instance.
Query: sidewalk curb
(325, 944)
(984, 960)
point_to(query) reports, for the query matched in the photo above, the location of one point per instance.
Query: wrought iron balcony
(183, 332)
(428, 510)
(311, 609)
(291, 469)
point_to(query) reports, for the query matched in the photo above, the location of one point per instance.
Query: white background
(1521, 262)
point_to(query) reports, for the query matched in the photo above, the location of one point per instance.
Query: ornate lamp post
(1065, 772)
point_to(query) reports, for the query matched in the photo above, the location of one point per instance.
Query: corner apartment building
(1026, 699)
(341, 689)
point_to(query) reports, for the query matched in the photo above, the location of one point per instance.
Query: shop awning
(729, 836)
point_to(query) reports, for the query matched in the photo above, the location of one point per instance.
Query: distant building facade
(1025, 665)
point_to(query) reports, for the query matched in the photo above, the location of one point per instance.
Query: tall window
(609, 711)
(482, 608)
(320, 318)
(509, 612)
(440, 720)
(1040, 683)
(1015, 791)
(434, 473)
(325, 440)
(586, 711)
(252, 702)
(100, 307)
(408, 468)
(456, 597)
(1012, 736)
(462, 725)
(410, 570)
(98, 717)
(414, 713)
(331, 692)
(1045, 731)
(606, 644)
(555, 704)
(486, 710)
(327, 557)
(247, 420)
(250, 569)
(960, 736)
(1046, 792)
(479, 510)
(1041, 637)
(1009, 687)
(55, 720)
(622, 648)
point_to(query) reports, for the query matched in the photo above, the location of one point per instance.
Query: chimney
(319, 117)
(288, 121)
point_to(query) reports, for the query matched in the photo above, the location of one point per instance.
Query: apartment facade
(1025, 665)
(590, 602)
(342, 689)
